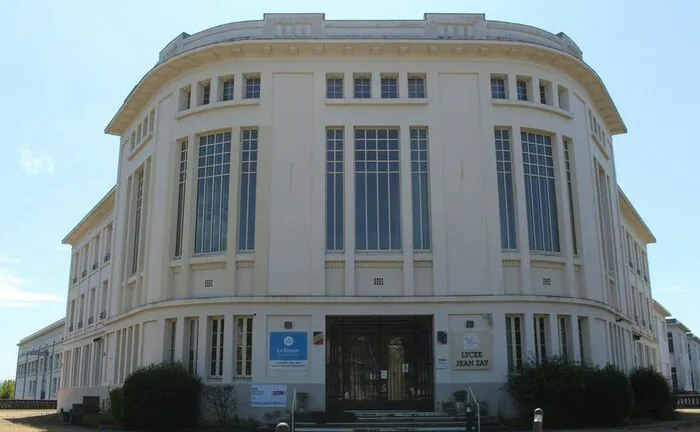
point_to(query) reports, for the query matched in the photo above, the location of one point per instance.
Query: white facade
(681, 373)
(694, 361)
(276, 174)
(662, 348)
(39, 363)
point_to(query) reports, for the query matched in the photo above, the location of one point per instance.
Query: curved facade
(376, 213)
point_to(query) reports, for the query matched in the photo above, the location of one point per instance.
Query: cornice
(46, 330)
(635, 219)
(447, 49)
(102, 209)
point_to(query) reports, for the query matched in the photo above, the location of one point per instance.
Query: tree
(7, 389)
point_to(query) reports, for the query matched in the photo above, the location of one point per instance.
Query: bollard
(282, 427)
(537, 420)
(468, 418)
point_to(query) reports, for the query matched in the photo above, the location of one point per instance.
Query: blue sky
(67, 66)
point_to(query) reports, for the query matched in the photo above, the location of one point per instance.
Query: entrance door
(383, 362)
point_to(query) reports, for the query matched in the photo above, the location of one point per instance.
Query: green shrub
(116, 400)
(652, 394)
(609, 397)
(571, 394)
(161, 397)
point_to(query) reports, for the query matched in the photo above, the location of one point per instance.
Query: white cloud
(675, 290)
(34, 163)
(6, 260)
(14, 295)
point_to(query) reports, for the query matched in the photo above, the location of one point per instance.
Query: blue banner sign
(288, 350)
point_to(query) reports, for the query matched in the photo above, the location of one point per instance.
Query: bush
(116, 401)
(7, 389)
(652, 394)
(571, 395)
(161, 397)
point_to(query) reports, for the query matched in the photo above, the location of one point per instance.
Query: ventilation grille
(208, 283)
(379, 281)
(547, 281)
(288, 325)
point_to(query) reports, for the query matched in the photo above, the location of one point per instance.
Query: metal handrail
(294, 410)
(470, 396)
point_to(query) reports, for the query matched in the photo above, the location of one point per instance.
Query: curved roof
(295, 34)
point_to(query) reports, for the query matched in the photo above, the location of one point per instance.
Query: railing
(688, 401)
(470, 397)
(23, 404)
(294, 409)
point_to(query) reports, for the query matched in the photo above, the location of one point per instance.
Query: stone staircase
(390, 421)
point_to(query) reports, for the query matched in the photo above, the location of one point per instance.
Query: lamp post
(537, 420)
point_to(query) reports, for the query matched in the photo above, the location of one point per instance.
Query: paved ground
(45, 421)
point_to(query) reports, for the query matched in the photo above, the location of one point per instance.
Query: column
(528, 336)
(521, 208)
(234, 191)
(262, 211)
(348, 85)
(575, 346)
(376, 83)
(553, 322)
(349, 190)
(403, 85)
(512, 90)
(564, 216)
(239, 87)
(180, 335)
(229, 351)
(406, 207)
(202, 339)
(188, 220)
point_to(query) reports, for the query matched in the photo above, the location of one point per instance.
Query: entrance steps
(389, 421)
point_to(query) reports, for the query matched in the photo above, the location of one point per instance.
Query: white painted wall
(290, 277)
(39, 362)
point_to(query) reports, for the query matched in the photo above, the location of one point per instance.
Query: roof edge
(53, 326)
(68, 239)
(640, 221)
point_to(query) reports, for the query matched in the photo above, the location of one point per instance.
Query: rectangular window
(335, 190)
(244, 347)
(91, 310)
(420, 189)
(334, 87)
(506, 200)
(363, 87)
(564, 337)
(416, 87)
(137, 221)
(216, 347)
(227, 87)
(181, 187)
(583, 338)
(498, 88)
(252, 87)
(390, 87)
(514, 344)
(377, 190)
(669, 335)
(521, 86)
(213, 170)
(540, 325)
(108, 243)
(152, 119)
(249, 170)
(191, 344)
(543, 94)
(105, 294)
(170, 337)
(570, 193)
(96, 252)
(540, 192)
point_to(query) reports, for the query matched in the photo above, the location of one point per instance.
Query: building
(374, 213)
(694, 361)
(88, 299)
(637, 290)
(662, 349)
(39, 363)
(681, 374)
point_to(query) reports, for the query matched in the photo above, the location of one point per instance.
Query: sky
(67, 67)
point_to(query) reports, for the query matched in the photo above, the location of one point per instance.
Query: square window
(334, 87)
(390, 87)
(252, 87)
(363, 87)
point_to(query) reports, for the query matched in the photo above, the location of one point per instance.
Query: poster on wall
(288, 350)
(268, 395)
(471, 350)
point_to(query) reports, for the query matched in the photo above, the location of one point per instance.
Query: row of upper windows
(143, 130)
(226, 91)
(389, 87)
(636, 257)
(530, 89)
(89, 312)
(81, 259)
(377, 173)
